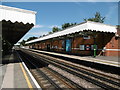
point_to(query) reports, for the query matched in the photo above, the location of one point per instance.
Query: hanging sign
(88, 47)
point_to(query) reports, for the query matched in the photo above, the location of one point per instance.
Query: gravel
(74, 78)
(102, 72)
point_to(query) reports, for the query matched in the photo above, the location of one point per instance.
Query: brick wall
(113, 45)
(77, 41)
(112, 53)
(102, 40)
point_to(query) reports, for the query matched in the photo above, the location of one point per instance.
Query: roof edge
(100, 23)
(17, 9)
(36, 40)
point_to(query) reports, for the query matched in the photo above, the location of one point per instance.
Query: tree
(31, 38)
(43, 35)
(22, 42)
(40, 36)
(49, 32)
(55, 29)
(66, 25)
(97, 18)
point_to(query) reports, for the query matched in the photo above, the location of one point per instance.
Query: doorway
(68, 45)
(48, 47)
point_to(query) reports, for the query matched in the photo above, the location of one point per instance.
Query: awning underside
(13, 32)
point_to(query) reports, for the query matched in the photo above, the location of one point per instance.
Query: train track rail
(85, 69)
(104, 77)
(46, 82)
(99, 79)
(48, 78)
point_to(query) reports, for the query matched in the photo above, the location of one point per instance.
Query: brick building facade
(107, 43)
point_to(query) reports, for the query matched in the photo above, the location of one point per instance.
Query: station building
(82, 39)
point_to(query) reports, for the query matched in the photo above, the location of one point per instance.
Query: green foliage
(118, 27)
(49, 32)
(31, 38)
(22, 42)
(55, 29)
(66, 25)
(43, 35)
(97, 18)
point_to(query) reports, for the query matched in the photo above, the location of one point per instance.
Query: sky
(60, 0)
(51, 14)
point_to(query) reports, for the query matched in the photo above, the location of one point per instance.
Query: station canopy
(85, 26)
(15, 22)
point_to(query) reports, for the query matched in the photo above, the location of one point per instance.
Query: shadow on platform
(10, 57)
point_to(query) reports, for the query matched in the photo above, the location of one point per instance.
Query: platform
(14, 73)
(106, 60)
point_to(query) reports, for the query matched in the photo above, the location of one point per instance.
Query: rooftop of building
(85, 26)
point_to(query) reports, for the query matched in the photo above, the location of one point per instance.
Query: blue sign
(68, 45)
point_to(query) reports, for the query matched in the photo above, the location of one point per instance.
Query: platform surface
(106, 60)
(13, 73)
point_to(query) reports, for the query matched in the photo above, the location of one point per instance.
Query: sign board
(86, 37)
(82, 47)
(87, 47)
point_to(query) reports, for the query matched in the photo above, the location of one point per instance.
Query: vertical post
(94, 50)
(58, 44)
(1, 48)
(94, 54)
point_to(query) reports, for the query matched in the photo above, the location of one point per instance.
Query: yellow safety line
(26, 77)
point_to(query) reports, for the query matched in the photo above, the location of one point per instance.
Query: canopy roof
(15, 22)
(15, 14)
(92, 26)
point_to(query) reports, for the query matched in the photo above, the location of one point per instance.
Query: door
(48, 47)
(68, 45)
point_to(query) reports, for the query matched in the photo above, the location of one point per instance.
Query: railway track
(104, 77)
(79, 67)
(99, 79)
(48, 78)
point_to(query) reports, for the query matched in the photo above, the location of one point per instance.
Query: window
(82, 47)
(86, 37)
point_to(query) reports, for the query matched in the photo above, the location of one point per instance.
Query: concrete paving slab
(13, 75)
(3, 66)
(8, 81)
(2, 73)
(19, 79)
(17, 68)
